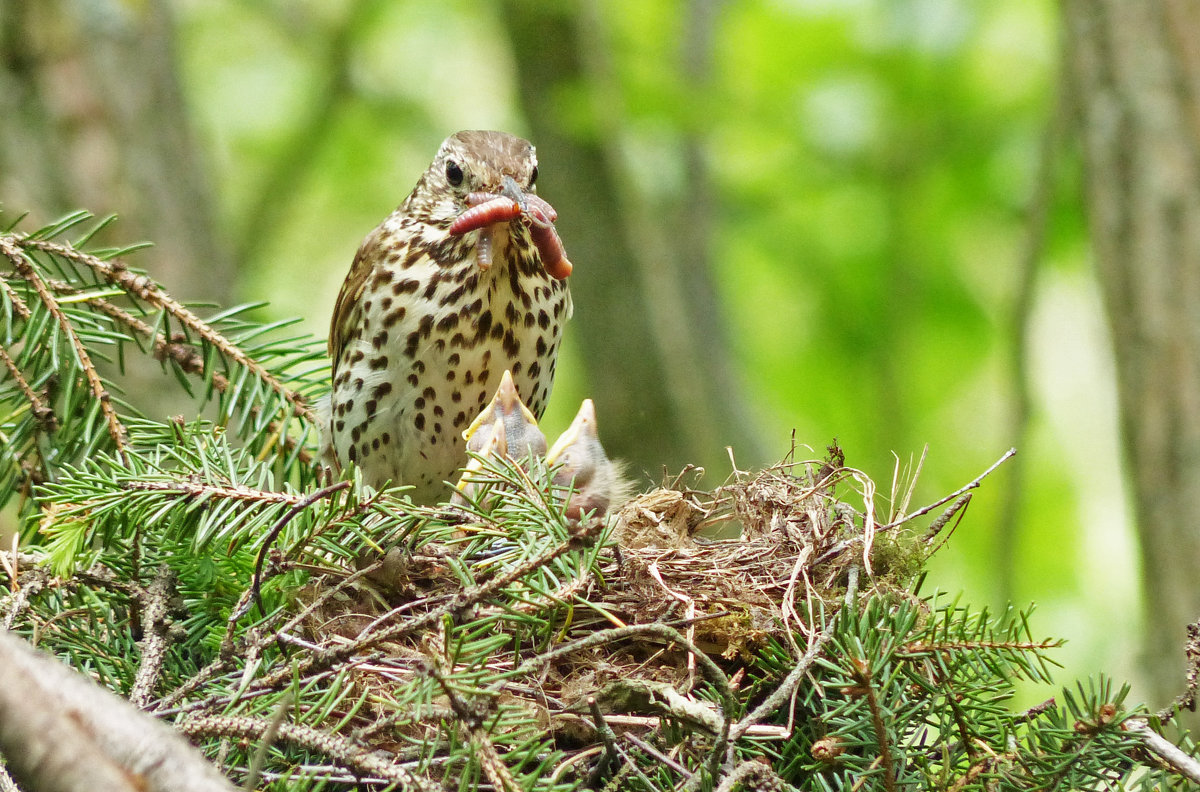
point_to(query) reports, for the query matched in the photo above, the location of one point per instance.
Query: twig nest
(659, 518)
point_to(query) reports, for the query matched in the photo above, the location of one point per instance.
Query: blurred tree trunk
(647, 316)
(92, 116)
(1134, 70)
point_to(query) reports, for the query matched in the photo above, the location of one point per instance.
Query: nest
(796, 543)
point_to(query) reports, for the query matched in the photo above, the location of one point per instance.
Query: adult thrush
(466, 279)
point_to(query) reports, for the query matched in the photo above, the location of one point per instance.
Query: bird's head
(476, 162)
(486, 181)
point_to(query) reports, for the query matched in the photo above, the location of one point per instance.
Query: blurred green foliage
(873, 163)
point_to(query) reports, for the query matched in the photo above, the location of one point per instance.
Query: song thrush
(463, 281)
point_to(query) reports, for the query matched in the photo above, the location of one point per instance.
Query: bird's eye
(454, 174)
(533, 176)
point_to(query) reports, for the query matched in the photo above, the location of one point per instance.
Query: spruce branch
(176, 349)
(472, 717)
(867, 689)
(21, 263)
(145, 289)
(14, 299)
(22, 589)
(167, 705)
(66, 310)
(44, 415)
(923, 647)
(207, 490)
(254, 772)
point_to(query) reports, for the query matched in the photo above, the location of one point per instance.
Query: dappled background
(790, 222)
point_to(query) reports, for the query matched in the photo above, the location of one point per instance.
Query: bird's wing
(348, 306)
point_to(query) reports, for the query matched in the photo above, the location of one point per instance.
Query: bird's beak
(510, 189)
(582, 428)
(505, 404)
(510, 401)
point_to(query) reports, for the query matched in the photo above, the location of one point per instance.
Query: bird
(465, 280)
(581, 472)
(505, 427)
(596, 481)
(507, 420)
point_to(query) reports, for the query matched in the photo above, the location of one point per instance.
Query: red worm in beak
(487, 209)
(544, 210)
(492, 210)
(550, 247)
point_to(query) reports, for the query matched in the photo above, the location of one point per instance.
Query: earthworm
(487, 209)
(545, 238)
(494, 210)
(543, 211)
(476, 198)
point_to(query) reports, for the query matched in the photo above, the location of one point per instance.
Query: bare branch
(784, 691)
(276, 529)
(45, 706)
(974, 484)
(1163, 748)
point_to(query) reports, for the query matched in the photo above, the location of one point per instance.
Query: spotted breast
(464, 280)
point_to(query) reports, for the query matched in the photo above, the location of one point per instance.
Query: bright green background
(874, 162)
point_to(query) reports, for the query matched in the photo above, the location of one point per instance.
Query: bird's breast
(435, 336)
